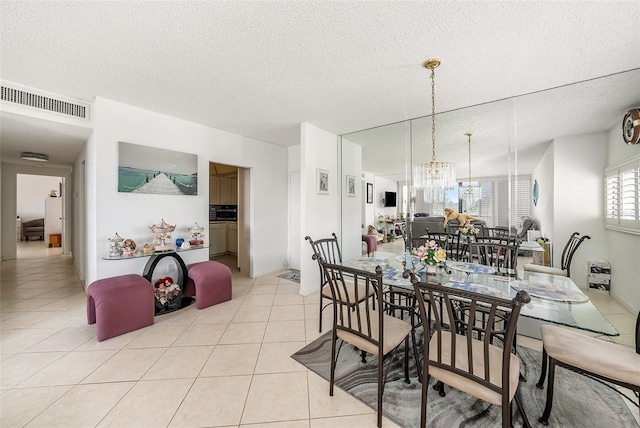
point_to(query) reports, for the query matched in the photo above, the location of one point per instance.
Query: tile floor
(223, 366)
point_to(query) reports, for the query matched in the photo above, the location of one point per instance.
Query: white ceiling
(260, 69)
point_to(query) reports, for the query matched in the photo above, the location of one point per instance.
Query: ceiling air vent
(31, 99)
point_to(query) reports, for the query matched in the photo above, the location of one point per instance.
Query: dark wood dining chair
(589, 356)
(372, 331)
(329, 250)
(504, 257)
(565, 262)
(468, 344)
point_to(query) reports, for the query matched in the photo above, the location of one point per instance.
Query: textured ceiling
(259, 69)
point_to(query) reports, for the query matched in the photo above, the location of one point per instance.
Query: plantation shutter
(622, 196)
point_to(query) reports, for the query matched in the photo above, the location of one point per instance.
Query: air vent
(42, 102)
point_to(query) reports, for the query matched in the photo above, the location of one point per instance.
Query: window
(622, 196)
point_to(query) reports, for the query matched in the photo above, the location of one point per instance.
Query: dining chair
(441, 238)
(329, 250)
(461, 353)
(372, 331)
(590, 356)
(502, 256)
(567, 255)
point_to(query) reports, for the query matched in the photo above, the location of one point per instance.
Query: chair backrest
(502, 256)
(417, 242)
(569, 250)
(507, 240)
(329, 250)
(463, 329)
(442, 239)
(498, 232)
(359, 320)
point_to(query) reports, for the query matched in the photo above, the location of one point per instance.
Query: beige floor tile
(285, 331)
(276, 358)
(358, 421)
(184, 316)
(70, 369)
(179, 362)
(277, 397)
(19, 367)
(243, 332)
(65, 340)
(82, 406)
(628, 340)
(288, 287)
(287, 313)
(126, 365)
(232, 360)
(288, 299)
(624, 323)
(304, 423)
(216, 314)
(213, 401)
(159, 336)
(19, 406)
(117, 342)
(26, 320)
(201, 334)
(23, 305)
(312, 298)
(148, 404)
(311, 311)
(253, 300)
(322, 405)
(252, 314)
(529, 342)
(263, 289)
(267, 279)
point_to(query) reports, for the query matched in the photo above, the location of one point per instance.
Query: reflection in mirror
(510, 137)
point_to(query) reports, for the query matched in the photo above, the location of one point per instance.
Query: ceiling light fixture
(434, 177)
(472, 194)
(38, 157)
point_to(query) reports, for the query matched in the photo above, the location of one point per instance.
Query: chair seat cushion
(597, 356)
(544, 269)
(395, 331)
(466, 385)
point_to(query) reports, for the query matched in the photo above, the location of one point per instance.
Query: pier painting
(143, 169)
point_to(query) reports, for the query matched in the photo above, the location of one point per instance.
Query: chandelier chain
(433, 115)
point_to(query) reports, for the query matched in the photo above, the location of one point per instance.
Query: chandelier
(434, 177)
(471, 194)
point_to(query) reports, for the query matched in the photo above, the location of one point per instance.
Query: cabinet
(543, 258)
(223, 190)
(217, 239)
(599, 276)
(232, 238)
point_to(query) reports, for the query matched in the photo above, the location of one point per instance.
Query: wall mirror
(510, 137)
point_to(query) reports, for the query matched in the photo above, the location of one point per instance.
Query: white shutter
(622, 196)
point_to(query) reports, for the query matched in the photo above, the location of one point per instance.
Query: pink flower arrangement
(431, 254)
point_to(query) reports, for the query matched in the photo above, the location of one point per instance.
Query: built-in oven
(223, 213)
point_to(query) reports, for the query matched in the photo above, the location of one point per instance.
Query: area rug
(578, 401)
(292, 275)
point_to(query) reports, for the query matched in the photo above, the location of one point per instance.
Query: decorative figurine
(128, 248)
(162, 239)
(115, 245)
(197, 238)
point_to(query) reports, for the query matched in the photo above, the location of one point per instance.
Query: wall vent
(42, 102)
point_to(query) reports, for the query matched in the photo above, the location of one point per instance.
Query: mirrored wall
(509, 138)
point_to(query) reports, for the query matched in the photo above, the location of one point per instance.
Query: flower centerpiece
(430, 254)
(469, 230)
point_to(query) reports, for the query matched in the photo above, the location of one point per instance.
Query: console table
(161, 264)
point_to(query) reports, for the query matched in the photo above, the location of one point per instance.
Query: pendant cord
(433, 115)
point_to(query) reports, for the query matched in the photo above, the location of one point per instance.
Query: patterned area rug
(578, 401)
(292, 275)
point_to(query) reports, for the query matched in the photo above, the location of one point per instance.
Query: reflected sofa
(420, 225)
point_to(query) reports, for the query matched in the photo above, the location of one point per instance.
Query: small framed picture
(351, 185)
(322, 181)
(369, 193)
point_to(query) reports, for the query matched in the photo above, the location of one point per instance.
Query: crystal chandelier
(434, 177)
(471, 194)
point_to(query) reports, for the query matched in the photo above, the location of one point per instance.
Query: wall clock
(631, 127)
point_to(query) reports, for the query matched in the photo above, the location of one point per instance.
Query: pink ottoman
(372, 243)
(120, 304)
(209, 282)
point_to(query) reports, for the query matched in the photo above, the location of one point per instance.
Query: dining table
(554, 299)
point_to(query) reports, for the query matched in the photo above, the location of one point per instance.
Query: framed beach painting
(351, 185)
(322, 181)
(144, 169)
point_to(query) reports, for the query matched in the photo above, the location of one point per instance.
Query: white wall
(380, 186)
(579, 163)
(543, 212)
(351, 206)
(624, 248)
(369, 209)
(130, 215)
(320, 213)
(32, 191)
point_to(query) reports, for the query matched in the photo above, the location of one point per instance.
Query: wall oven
(223, 213)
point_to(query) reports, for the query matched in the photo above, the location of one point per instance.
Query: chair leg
(380, 387)
(320, 314)
(333, 363)
(423, 406)
(544, 419)
(406, 360)
(543, 372)
(525, 419)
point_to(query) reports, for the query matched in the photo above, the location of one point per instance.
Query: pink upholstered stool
(209, 282)
(120, 304)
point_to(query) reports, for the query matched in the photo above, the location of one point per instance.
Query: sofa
(33, 228)
(420, 225)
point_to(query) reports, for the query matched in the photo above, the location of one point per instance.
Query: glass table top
(555, 299)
